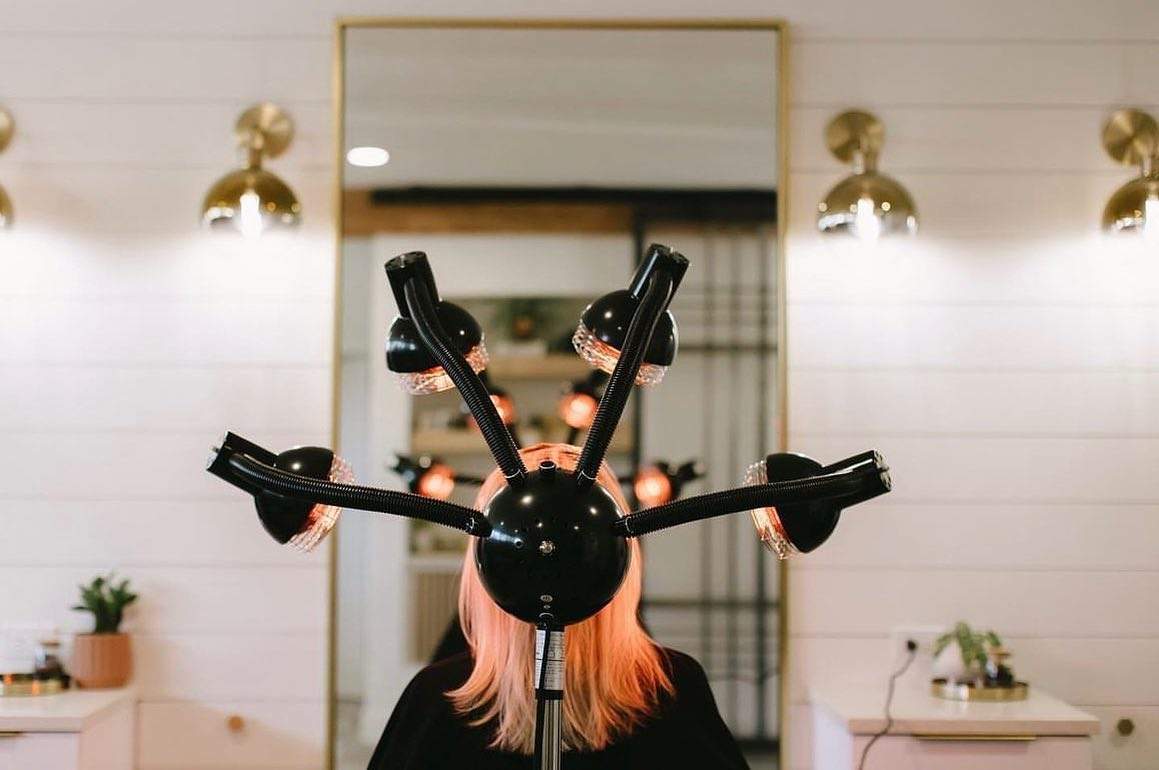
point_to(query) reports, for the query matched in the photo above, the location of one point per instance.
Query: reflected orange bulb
(503, 405)
(506, 408)
(438, 482)
(653, 487)
(578, 410)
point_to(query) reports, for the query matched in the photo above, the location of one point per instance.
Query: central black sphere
(551, 549)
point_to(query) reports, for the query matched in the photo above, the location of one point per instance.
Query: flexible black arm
(362, 498)
(471, 388)
(623, 378)
(744, 499)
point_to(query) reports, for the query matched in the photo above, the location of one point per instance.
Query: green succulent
(106, 600)
(972, 644)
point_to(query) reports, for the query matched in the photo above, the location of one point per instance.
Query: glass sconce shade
(250, 201)
(7, 129)
(5, 209)
(867, 206)
(1134, 207)
(603, 327)
(1131, 137)
(418, 371)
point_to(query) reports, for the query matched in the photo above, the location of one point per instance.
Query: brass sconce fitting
(7, 128)
(1131, 137)
(252, 200)
(867, 203)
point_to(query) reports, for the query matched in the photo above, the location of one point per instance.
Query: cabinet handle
(952, 737)
(1125, 727)
(10, 733)
(235, 723)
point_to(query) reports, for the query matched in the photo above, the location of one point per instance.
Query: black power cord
(911, 648)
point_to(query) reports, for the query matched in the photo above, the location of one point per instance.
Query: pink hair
(615, 672)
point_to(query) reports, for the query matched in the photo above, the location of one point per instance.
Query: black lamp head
(406, 354)
(552, 550)
(604, 323)
(802, 527)
(296, 523)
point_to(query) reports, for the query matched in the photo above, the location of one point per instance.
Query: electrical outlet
(923, 635)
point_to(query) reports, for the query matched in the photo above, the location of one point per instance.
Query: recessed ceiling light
(367, 157)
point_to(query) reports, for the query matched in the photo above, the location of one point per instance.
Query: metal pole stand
(549, 678)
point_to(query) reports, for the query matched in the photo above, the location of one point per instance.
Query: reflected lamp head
(578, 404)
(504, 404)
(661, 483)
(407, 355)
(603, 325)
(426, 476)
(296, 523)
(802, 527)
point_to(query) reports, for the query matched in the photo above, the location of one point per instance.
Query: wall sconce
(7, 128)
(866, 204)
(1132, 138)
(252, 200)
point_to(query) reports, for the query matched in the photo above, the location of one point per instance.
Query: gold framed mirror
(533, 159)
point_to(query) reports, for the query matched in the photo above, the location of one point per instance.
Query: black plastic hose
(471, 388)
(623, 378)
(744, 499)
(362, 498)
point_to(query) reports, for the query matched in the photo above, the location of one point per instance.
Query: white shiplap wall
(1004, 361)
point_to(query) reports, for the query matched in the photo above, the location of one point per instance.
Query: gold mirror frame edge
(338, 100)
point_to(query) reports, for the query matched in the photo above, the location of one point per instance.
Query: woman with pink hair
(629, 703)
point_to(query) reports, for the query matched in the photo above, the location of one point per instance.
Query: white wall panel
(167, 67)
(129, 534)
(884, 72)
(931, 536)
(857, 602)
(1062, 403)
(232, 666)
(184, 600)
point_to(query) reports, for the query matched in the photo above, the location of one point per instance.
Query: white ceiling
(648, 108)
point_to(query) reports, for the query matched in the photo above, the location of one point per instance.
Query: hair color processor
(552, 548)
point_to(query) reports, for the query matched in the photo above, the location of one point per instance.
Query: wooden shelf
(466, 442)
(554, 366)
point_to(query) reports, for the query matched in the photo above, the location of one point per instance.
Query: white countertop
(66, 712)
(917, 712)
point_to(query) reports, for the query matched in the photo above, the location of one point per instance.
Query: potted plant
(103, 658)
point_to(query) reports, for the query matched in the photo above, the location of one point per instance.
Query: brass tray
(960, 691)
(24, 685)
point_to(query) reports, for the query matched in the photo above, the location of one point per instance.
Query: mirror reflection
(534, 167)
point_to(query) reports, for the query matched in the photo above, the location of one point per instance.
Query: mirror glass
(533, 165)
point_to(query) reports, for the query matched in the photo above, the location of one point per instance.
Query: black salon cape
(424, 733)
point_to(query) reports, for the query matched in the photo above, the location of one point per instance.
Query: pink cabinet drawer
(912, 752)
